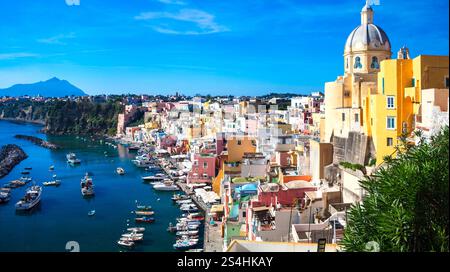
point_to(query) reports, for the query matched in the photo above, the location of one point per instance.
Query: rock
(10, 156)
(37, 141)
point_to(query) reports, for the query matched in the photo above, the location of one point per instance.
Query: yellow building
(394, 109)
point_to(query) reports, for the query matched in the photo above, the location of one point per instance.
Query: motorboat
(52, 183)
(144, 212)
(51, 168)
(120, 171)
(137, 230)
(127, 243)
(184, 201)
(177, 197)
(187, 232)
(144, 219)
(72, 158)
(167, 185)
(155, 178)
(143, 208)
(5, 196)
(32, 198)
(26, 179)
(184, 244)
(132, 234)
(91, 213)
(87, 186)
(132, 239)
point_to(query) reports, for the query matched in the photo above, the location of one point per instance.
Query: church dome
(367, 37)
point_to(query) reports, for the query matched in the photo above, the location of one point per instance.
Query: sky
(237, 47)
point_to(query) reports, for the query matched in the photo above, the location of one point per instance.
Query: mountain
(53, 87)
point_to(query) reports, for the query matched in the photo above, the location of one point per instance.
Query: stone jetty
(10, 156)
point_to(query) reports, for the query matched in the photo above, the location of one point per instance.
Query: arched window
(358, 64)
(375, 64)
(346, 63)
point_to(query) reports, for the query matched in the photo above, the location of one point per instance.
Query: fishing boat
(87, 187)
(120, 171)
(52, 183)
(31, 198)
(167, 185)
(72, 158)
(127, 243)
(184, 244)
(144, 212)
(144, 219)
(137, 230)
(91, 213)
(143, 208)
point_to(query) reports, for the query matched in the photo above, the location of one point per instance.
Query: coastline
(19, 120)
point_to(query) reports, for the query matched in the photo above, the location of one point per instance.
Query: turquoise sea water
(62, 214)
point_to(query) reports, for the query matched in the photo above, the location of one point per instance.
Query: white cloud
(204, 21)
(17, 55)
(58, 39)
(172, 2)
(73, 2)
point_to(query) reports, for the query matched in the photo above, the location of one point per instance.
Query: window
(346, 63)
(343, 117)
(413, 82)
(447, 82)
(239, 142)
(356, 118)
(375, 64)
(205, 165)
(358, 64)
(371, 121)
(390, 122)
(390, 102)
(382, 84)
(389, 141)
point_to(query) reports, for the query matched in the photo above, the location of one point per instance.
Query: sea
(61, 222)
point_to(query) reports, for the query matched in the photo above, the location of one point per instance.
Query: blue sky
(200, 46)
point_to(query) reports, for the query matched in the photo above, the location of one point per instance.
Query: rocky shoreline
(10, 156)
(37, 141)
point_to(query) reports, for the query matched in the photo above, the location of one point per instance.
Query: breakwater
(10, 156)
(37, 141)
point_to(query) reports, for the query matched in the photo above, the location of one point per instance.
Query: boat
(25, 172)
(145, 219)
(25, 179)
(187, 232)
(143, 208)
(31, 198)
(184, 201)
(52, 183)
(28, 168)
(195, 250)
(152, 167)
(128, 244)
(5, 196)
(177, 197)
(72, 158)
(132, 234)
(132, 239)
(184, 244)
(141, 163)
(133, 148)
(120, 171)
(144, 212)
(137, 230)
(167, 185)
(52, 167)
(157, 177)
(91, 213)
(87, 187)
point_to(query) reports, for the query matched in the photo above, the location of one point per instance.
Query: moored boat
(32, 198)
(143, 208)
(87, 186)
(167, 185)
(127, 243)
(144, 212)
(145, 219)
(136, 229)
(120, 171)
(52, 183)
(72, 158)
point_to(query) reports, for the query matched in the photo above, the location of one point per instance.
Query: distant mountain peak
(54, 87)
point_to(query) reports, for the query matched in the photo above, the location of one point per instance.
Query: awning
(260, 209)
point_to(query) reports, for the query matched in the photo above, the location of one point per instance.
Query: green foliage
(406, 208)
(353, 166)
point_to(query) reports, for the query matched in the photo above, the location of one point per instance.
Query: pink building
(271, 193)
(203, 169)
(167, 142)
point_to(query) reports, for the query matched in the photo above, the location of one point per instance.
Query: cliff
(10, 156)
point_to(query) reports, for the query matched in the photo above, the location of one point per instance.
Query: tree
(406, 206)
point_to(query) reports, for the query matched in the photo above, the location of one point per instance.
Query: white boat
(52, 183)
(72, 158)
(167, 185)
(136, 229)
(87, 187)
(120, 171)
(186, 201)
(4, 196)
(141, 163)
(31, 198)
(155, 178)
(132, 234)
(127, 244)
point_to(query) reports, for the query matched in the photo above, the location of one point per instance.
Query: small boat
(185, 201)
(133, 234)
(120, 171)
(187, 232)
(167, 185)
(87, 187)
(177, 197)
(52, 183)
(195, 250)
(144, 208)
(132, 239)
(4, 196)
(136, 229)
(25, 172)
(144, 212)
(91, 213)
(72, 158)
(128, 244)
(31, 198)
(51, 168)
(157, 177)
(25, 179)
(184, 244)
(145, 219)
